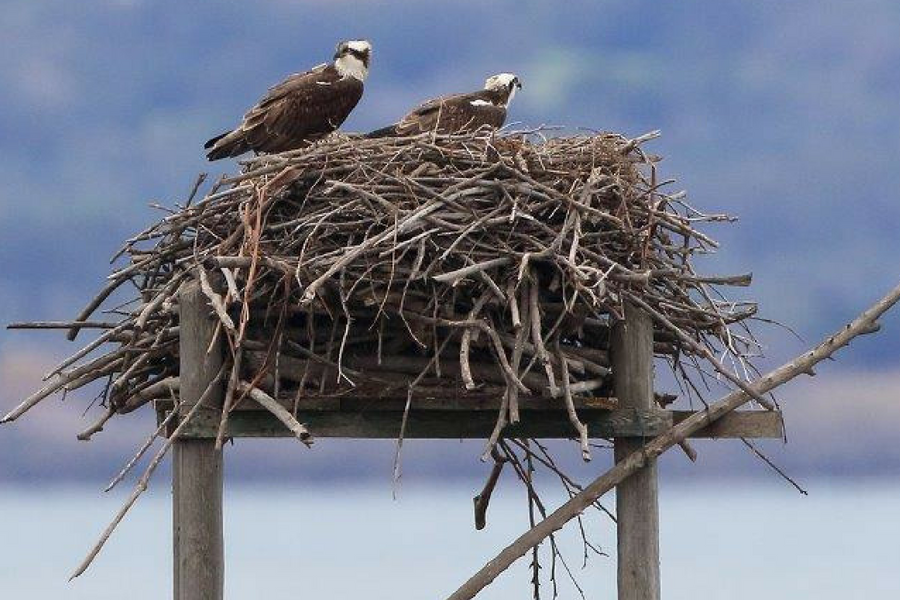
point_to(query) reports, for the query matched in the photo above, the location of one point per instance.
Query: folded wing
(299, 110)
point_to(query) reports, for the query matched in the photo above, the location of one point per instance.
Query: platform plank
(433, 424)
(350, 417)
(740, 423)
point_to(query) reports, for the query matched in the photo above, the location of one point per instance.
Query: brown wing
(452, 114)
(302, 108)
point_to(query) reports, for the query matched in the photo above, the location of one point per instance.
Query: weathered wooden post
(637, 498)
(199, 561)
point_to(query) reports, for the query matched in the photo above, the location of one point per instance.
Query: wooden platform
(380, 418)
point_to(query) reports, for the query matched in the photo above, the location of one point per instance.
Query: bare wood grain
(198, 543)
(637, 498)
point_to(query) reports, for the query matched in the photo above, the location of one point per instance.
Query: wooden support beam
(637, 498)
(457, 403)
(198, 543)
(461, 418)
(739, 424)
(433, 424)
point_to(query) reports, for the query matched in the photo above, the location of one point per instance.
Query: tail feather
(230, 143)
(389, 131)
(212, 141)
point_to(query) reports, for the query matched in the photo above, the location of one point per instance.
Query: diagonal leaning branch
(863, 324)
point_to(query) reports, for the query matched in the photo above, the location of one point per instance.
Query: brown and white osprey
(301, 109)
(459, 112)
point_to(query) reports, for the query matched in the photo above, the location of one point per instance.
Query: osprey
(301, 109)
(459, 112)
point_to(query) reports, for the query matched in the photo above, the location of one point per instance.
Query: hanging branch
(482, 500)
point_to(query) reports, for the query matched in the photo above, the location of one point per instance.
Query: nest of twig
(477, 263)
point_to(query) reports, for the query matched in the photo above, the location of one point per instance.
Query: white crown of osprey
(359, 45)
(499, 81)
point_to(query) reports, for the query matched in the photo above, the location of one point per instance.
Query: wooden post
(637, 501)
(199, 561)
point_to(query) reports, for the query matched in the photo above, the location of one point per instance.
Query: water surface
(734, 540)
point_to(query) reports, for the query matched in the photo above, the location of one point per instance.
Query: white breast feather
(512, 93)
(350, 66)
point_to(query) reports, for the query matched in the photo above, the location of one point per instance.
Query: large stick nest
(439, 264)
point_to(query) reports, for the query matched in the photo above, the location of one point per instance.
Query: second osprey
(459, 112)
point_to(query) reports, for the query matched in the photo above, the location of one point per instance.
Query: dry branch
(279, 412)
(483, 499)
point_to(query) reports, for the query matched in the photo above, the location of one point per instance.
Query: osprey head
(505, 83)
(351, 58)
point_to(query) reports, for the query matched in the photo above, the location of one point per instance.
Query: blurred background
(785, 115)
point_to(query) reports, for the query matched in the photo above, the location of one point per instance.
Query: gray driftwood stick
(637, 498)
(198, 545)
(863, 324)
(62, 325)
(278, 411)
